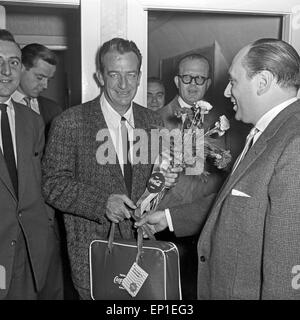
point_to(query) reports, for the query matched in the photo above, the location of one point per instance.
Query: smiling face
(242, 90)
(120, 79)
(35, 80)
(192, 92)
(10, 68)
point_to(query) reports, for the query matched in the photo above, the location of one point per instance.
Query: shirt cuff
(169, 219)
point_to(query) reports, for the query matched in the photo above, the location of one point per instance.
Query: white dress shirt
(19, 97)
(261, 125)
(12, 123)
(113, 121)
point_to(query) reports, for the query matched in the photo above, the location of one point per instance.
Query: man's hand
(157, 219)
(171, 176)
(117, 207)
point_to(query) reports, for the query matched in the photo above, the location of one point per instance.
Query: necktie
(126, 157)
(27, 100)
(8, 149)
(249, 142)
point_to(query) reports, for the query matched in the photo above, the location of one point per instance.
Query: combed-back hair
(276, 56)
(120, 45)
(192, 56)
(35, 51)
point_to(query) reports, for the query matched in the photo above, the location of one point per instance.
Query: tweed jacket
(75, 183)
(189, 188)
(29, 211)
(249, 247)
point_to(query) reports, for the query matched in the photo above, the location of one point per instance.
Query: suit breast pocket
(244, 214)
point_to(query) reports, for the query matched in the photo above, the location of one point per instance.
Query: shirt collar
(9, 103)
(183, 104)
(112, 117)
(18, 96)
(265, 120)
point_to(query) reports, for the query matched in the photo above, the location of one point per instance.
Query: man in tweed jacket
(93, 194)
(249, 246)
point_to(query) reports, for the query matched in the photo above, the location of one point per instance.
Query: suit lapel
(257, 149)
(24, 148)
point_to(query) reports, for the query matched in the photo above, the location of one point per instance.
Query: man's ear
(264, 81)
(208, 83)
(100, 78)
(139, 78)
(176, 80)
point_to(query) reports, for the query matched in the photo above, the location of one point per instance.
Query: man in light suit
(77, 179)
(24, 226)
(249, 246)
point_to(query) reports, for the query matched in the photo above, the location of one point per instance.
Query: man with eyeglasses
(193, 81)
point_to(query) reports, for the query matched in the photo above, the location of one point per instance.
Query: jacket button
(13, 242)
(20, 214)
(202, 259)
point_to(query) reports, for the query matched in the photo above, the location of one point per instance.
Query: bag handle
(139, 240)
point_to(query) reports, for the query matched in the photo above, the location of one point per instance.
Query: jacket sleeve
(61, 188)
(281, 246)
(189, 219)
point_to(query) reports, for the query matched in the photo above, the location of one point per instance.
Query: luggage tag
(135, 279)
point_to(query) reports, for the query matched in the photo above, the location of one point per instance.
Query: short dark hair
(5, 35)
(155, 80)
(192, 56)
(276, 56)
(120, 45)
(35, 51)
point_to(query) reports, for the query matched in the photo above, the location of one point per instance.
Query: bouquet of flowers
(189, 146)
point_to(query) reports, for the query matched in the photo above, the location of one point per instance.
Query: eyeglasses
(187, 79)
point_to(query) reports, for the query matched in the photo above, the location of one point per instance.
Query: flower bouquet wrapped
(188, 146)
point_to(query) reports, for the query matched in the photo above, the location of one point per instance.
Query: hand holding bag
(110, 262)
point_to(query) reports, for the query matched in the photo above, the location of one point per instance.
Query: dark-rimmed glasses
(187, 79)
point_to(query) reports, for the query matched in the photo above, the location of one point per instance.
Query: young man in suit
(78, 180)
(249, 246)
(24, 227)
(40, 67)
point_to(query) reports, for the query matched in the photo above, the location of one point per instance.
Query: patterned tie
(126, 157)
(27, 101)
(8, 149)
(249, 142)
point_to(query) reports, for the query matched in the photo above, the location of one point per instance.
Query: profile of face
(155, 96)
(193, 92)
(10, 68)
(242, 90)
(35, 80)
(120, 79)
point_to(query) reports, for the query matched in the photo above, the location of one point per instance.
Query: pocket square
(238, 193)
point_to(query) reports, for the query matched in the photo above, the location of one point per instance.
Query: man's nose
(44, 83)
(5, 68)
(123, 82)
(227, 92)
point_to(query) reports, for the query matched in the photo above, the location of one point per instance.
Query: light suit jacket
(29, 211)
(75, 183)
(249, 247)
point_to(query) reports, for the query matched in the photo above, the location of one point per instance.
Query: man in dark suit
(24, 227)
(193, 80)
(79, 178)
(249, 246)
(39, 67)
